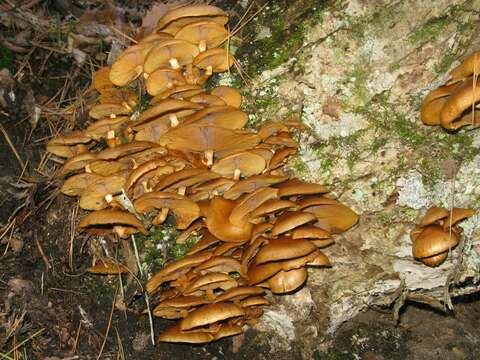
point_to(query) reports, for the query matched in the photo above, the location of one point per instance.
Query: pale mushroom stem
(111, 138)
(88, 169)
(209, 157)
(162, 215)
(209, 70)
(174, 63)
(202, 45)
(113, 116)
(126, 106)
(182, 190)
(108, 198)
(146, 75)
(146, 187)
(236, 174)
(173, 120)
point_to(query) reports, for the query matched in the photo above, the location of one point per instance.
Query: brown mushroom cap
(433, 241)
(209, 281)
(228, 94)
(164, 79)
(243, 163)
(76, 163)
(176, 19)
(218, 223)
(101, 80)
(240, 293)
(210, 314)
(104, 267)
(170, 54)
(172, 268)
(310, 232)
(167, 106)
(224, 116)
(184, 209)
(461, 99)
(290, 220)
(207, 100)
(129, 64)
(433, 215)
(252, 183)
(214, 60)
(175, 335)
(76, 184)
(457, 215)
(128, 149)
(204, 138)
(223, 264)
(272, 206)
(93, 197)
(298, 187)
(112, 217)
(468, 66)
(284, 249)
(242, 211)
(205, 34)
(287, 281)
(435, 260)
(100, 128)
(333, 218)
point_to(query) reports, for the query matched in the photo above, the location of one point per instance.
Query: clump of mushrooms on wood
(188, 156)
(454, 104)
(437, 234)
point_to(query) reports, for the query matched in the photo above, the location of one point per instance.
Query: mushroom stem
(146, 187)
(113, 116)
(126, 106)
(182, 190)
(173, 120)
(174, 63)
(209, 157)
(108, 198)
(236, 174)
(202, 45)
(145, 75)
(209, 70)
(88, 169)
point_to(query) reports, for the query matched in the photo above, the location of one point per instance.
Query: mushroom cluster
(188, 157)
(455, 104)
(437, 234)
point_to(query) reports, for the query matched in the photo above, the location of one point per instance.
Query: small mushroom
(177, 18)
(205, 34)
(171, 54)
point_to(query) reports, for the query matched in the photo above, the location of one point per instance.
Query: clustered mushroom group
(188, 156)
(437, 234)
(454, 105)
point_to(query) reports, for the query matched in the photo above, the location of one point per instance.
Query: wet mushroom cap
(211, 313)
(433, 241)
(177, 18)
(290, 220)
(170, 54)
(206, 34)
(284, 249)
(433, 215)
(111, 217)
(164, 79)
(461, 99)
(174, 334)
(287, 281)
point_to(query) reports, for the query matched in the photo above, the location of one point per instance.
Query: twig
(24, 341)
(109, 324)
(75, 344)
(42, 253)
(12, 146)
(147, 301)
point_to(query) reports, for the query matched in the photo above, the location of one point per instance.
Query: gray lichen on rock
(356, 73)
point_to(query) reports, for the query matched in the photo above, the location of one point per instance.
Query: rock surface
(355, 72)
